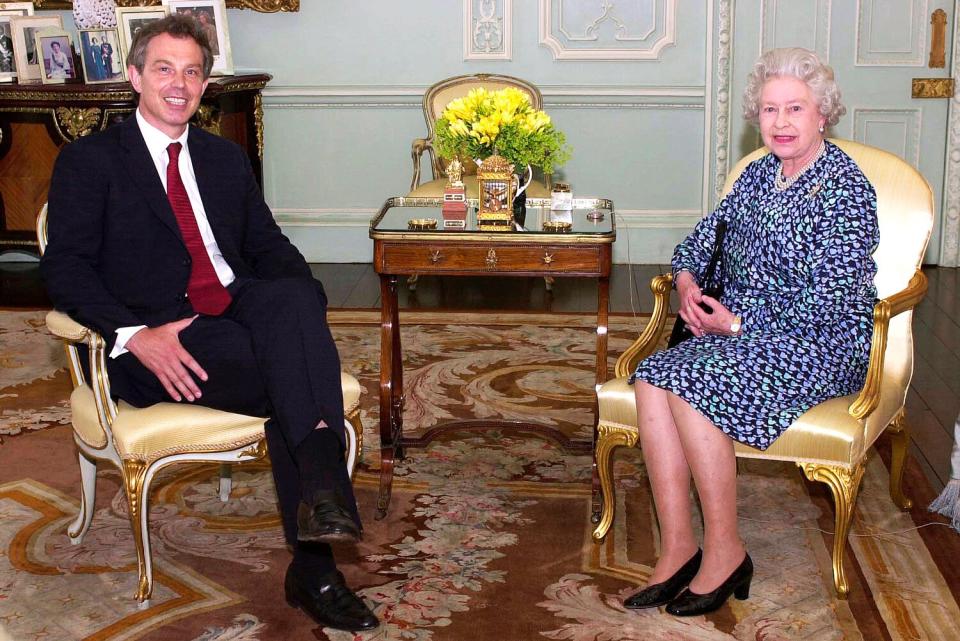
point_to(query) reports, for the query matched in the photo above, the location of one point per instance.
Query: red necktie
(204, 289)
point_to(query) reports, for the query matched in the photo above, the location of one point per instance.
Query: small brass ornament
(496, 188)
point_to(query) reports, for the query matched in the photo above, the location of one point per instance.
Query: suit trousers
(270, 353)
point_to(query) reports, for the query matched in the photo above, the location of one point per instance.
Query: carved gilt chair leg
(134, 480)
(900, 441)
(609, 438)
(844, 485)
(88, 499)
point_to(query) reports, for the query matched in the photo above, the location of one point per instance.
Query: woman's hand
(719, 322)
(698, 320)
(690, 298)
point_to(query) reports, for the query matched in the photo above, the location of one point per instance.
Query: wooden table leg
(391, 393)
(603, 303)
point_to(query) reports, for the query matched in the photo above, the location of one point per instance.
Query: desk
(586, 250)
(37, 120)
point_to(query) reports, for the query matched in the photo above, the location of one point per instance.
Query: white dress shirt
(157, 143)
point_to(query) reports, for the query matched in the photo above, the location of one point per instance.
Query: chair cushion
(351, 392)
(164, 429)
(824, 434)
(434, 189)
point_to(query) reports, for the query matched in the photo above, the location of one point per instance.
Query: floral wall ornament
(93, 14)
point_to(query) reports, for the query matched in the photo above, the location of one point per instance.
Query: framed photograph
(56, 56)
(16, 8)
(131, 19)
(212, 16)
(100, 53)
(8, 67)
(23, 30)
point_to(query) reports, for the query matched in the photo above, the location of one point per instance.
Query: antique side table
(37, 120)
(584, 250)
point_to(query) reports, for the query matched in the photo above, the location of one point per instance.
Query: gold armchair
(435, 100)
(830, 441)
(142, 441)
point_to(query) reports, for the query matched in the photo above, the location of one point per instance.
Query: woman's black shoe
(662, 593)
(690, 604)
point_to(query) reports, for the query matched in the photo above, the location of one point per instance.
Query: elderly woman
(797, 303)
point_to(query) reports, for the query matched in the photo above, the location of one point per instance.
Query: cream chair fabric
(830, 441)
(435, 101)
(141, 441)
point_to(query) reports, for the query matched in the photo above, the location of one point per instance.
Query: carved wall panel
(806, 21)
(896, 130)
(892, 32)
(608, 30)
(487, 29)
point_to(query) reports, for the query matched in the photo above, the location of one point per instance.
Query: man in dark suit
(159, 239)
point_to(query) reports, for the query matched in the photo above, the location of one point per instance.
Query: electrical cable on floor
(877, 535)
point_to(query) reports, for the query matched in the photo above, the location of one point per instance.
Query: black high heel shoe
(662, 593)
(690, 604)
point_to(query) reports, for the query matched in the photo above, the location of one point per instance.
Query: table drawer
(404, 258)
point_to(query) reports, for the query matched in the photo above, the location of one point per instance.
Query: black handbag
(712, 286)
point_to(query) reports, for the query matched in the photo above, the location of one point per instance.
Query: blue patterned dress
(798, 269)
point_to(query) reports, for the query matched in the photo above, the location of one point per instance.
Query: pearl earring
(821, 128)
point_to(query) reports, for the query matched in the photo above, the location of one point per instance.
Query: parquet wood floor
(932, 404)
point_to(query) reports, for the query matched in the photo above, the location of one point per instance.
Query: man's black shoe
(326, 519)
(329, 602)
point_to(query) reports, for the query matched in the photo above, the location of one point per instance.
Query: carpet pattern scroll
(488, 535)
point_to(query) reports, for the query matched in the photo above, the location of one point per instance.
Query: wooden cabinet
(37, 120)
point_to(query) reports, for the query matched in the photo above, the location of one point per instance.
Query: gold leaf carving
(208, 118)
(932, 88)
(78, 121)
(258, 122)
(938, 39)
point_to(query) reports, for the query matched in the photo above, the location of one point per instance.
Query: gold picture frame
(212, 16)
(262, 6)
(22, 30)
(129, 19)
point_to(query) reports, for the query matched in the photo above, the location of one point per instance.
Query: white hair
(799, 63)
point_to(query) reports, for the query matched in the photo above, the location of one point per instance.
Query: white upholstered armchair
(142, 441)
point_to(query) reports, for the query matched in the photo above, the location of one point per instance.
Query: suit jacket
(115, 256)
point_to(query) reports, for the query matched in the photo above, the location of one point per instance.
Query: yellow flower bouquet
(484, 123)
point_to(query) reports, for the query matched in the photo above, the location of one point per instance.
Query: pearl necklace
(782, 184)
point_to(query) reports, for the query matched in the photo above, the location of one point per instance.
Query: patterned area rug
(488, 535)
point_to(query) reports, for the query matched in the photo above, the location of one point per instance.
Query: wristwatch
(735, 325)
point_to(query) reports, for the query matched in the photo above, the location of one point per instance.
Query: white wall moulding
(555, 96)
(609, 29)
(892, 33)
(950, 225)
(717, 116)
(896, 130)
(487, 29)
(796, 23)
